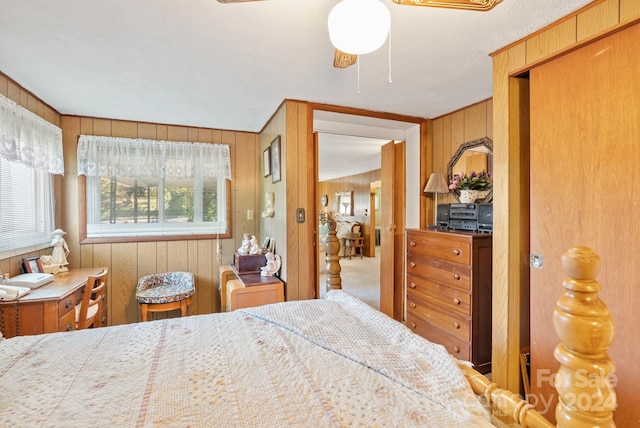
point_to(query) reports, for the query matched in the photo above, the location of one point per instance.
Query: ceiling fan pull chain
(358, 76)
(390, 81)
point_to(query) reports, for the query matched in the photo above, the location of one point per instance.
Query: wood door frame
(425, 148)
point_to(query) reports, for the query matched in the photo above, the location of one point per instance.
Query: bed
(324, 362)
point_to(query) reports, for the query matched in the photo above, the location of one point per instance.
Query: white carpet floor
(360, 278)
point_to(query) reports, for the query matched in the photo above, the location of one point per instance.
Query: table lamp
(436, 184)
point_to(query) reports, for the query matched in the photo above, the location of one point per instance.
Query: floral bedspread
(320, 363)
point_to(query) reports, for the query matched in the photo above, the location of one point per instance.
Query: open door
(392, 230)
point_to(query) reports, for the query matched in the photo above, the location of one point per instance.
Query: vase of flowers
(468, 187)
(468, 196)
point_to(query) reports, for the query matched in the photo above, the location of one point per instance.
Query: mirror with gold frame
(476, 155)
(344, 203)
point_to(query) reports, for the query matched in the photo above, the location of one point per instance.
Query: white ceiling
(229, 66)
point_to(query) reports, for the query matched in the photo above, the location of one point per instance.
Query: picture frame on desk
(32, 264)
(265, 244)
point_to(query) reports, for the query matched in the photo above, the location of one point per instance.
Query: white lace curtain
(28, 139)
(126, 157)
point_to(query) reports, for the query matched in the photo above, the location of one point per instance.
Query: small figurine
(254, 247)
(60, 250)
(273, 265)
(245, 248)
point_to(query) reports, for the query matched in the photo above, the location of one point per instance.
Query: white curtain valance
(126, 157)
(28, 139)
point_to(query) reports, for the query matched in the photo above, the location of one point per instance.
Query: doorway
(333, 120)
(348, 168)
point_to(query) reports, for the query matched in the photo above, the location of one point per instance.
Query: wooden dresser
(449, 291)
(49, 308)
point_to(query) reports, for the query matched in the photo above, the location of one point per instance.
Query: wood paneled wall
(129, 261)
(12, 90)
(360, 184)
(511, 198)
(453, 129)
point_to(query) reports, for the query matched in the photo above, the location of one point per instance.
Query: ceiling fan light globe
(359, 26)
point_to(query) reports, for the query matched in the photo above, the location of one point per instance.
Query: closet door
(585, 190)
(392, 230)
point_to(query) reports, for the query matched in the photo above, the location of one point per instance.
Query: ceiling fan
(344, 60)
(481, 5)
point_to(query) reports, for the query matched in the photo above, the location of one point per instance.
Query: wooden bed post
(332, 245)
(585, 328)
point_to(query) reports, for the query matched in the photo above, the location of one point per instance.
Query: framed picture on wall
(266, 161)
(275, 160)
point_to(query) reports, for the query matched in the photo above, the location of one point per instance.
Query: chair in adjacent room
(161, 292)
(94, 295)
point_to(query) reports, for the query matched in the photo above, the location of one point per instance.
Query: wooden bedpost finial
(585, 328)
(332, 258)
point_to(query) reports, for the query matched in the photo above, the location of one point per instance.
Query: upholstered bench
(160, 292)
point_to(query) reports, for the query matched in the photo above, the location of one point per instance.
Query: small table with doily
(353, 246)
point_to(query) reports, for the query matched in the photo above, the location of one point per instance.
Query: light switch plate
(300, 215)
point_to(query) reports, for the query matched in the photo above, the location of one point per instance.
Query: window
(30, 152)
(146, 189)
(26, 205)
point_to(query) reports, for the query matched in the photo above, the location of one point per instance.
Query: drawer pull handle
(413, 244)
(413, 305)
(456, 277)
(69, 304)
(456, 325)
(413, 325)
(456, 252)
(456, 349)
(456, 301)
(412, 264)
(412, 285)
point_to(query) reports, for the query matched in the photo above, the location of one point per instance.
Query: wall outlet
(249, 214)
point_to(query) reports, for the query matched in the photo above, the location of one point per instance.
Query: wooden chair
(354, 242)
(161, 292)
(89, 310)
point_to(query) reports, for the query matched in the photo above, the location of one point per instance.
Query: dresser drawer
(456, 347)
(454, 275)
(68, 303)
(67, 321)
(451, 322)
(439, 295)
(454, 248)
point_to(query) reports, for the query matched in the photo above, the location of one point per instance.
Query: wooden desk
(49, 308)
(253, 289)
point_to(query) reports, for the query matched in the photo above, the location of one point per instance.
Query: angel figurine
(60, 250)
(273, 265)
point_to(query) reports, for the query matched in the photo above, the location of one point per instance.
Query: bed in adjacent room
(324, 362)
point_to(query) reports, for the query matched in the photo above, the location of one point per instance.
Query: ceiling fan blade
(235, 1)
(343, 59)
(481, 5)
